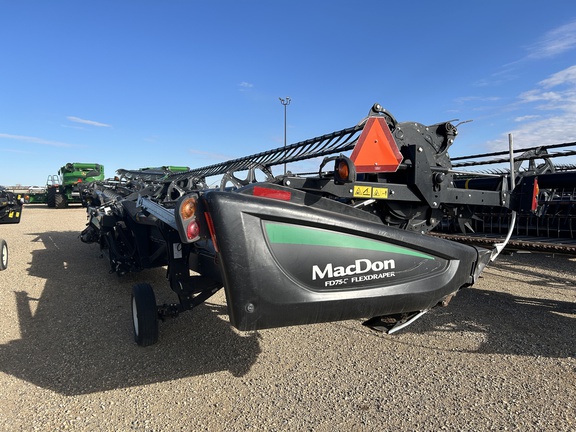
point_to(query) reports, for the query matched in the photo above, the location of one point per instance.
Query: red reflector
(272, 193)
(192, 230)
(536, 192)
(210, 224)
(376, 150)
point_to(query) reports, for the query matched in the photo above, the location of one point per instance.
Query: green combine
(66, 187)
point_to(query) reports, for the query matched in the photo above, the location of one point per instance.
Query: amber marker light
(344, 170)
(188, 208)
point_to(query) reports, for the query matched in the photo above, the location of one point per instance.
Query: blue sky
(131, 84)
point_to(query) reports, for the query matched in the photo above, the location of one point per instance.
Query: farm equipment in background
(348, 241)
(66, 187)
(10, 213)
(552, 228)
(35, 195)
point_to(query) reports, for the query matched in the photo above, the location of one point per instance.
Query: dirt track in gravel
(502, 355)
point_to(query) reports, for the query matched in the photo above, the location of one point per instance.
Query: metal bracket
(164, 214)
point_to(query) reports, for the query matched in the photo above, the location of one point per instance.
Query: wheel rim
(4, 255)
(135, 316)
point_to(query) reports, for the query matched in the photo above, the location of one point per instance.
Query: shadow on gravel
(77, 337)
(512, 324)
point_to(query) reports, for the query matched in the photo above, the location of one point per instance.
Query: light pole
(285, 102)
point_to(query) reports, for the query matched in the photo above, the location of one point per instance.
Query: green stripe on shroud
(299, 235)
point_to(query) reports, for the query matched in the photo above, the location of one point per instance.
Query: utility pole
(285, 102)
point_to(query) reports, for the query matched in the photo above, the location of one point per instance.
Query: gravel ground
(500, 357)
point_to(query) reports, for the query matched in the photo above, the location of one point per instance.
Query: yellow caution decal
(370, 192)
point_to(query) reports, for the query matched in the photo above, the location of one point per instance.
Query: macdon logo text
(360, 266)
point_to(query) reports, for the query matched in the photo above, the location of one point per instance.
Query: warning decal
(370, 192)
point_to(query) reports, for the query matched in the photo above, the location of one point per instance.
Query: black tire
(60, 201)
(144, 315)
(51, 197)
(3, 254)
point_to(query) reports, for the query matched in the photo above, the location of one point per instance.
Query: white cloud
(88, 122)
(552, 44)
(566, 76)
(245, 86)
(34, 140)
(152, 139)
(555, 42)
(556, 93)
(477, 99)
(526, 117)
(554, 130)
(539, 96)
(554, 100)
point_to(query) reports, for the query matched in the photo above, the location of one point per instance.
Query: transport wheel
(60, 201)
(144, 315)
(4, 254)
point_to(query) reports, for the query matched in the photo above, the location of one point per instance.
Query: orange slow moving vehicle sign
(376, 150)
